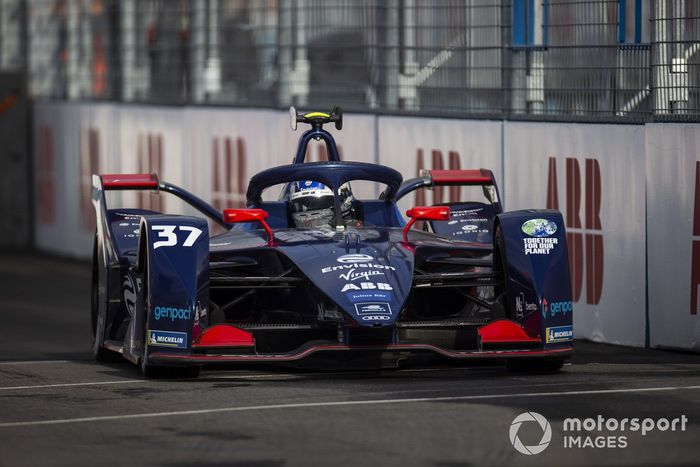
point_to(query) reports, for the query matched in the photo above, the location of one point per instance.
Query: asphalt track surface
(59, 407)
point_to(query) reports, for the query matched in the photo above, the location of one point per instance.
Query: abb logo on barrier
(45, 177)
(588, 236)
(150, 160)
(89, 164)
(695, 261)
(437, 163)
(228, 173)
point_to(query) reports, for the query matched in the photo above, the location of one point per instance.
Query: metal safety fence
(572, 60)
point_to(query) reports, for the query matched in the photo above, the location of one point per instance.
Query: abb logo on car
(588, 236)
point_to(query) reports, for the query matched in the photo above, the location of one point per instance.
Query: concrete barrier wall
(673, 230)
(630, 194)
(595, 175)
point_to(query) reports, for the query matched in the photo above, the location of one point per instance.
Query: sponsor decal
(172, 339)
(354, 258)
(530, 450)
(124, 224)
(356, 266)
(367, 286)
(368, 296)
(539, 227)
(172, 313)
(555, 308)
(469, 229)
(373, 308)
(584, 239)
(539, 246)
(129, 294)
(363, 274)
(219, 244)
(376, 318)
(523, 306)
(559, 334)
(563, 308)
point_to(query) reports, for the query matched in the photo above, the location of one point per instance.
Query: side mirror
(236, 216)
(425, 213)
(293, 118)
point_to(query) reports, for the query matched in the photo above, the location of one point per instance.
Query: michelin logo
(560, 334)
(177, 340)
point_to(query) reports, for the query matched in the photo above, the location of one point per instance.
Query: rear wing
(468, 177)
(113, 182)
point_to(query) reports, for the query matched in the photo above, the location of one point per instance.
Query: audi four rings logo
(546, 433)
(355, 258)
(376, 318)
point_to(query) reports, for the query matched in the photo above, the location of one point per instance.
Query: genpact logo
(546, 433)
(355, 258)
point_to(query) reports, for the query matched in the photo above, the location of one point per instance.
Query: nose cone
(370, 281)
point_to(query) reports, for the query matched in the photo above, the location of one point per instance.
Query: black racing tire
(99, 352)
(535, 365)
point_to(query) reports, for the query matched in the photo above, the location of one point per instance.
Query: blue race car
(324, 274)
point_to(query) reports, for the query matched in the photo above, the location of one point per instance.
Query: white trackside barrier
(411, 144)
(594, 174)
(673, 230)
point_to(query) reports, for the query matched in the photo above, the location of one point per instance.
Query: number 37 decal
(168, 233)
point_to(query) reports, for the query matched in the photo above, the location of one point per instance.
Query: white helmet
(312, 204)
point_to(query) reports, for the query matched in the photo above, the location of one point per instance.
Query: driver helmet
(312, 204)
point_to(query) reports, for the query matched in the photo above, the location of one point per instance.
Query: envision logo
(546, 433)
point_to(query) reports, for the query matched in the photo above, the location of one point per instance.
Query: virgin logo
(578, 236)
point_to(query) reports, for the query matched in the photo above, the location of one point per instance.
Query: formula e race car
(326, 274)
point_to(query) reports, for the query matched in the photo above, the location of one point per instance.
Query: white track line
(66, 385)
(36, 362)
(338, 404)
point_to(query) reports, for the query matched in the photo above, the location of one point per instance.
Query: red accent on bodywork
(462, 177)
(504, 331)
(233, 216)
(129, 181)
(425, 213)
(223, 335)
